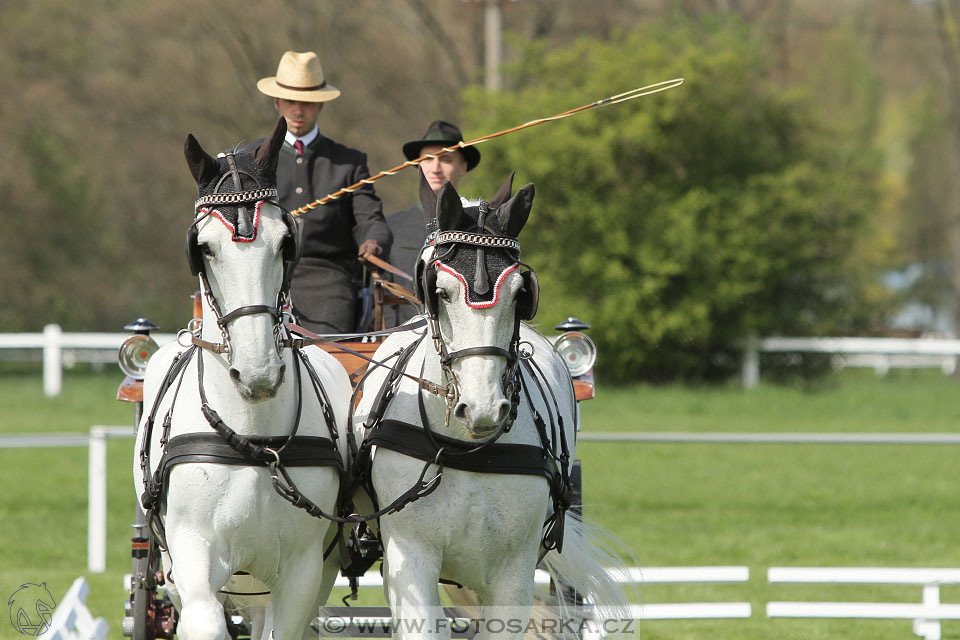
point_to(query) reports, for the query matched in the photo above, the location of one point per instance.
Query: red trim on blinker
(466, 287)
(233, 230)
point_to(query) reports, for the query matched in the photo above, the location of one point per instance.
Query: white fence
(926, 616)
(643, 576)
(72, 620)
(879, 353)
(97, 459)
(59, 349)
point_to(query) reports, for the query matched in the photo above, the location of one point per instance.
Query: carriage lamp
(136, 351)
(577, 351)
(572, 324)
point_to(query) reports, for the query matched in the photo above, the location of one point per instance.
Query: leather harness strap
(411, 440)
(301, 451)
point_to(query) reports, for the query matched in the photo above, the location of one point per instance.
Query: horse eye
(443, 295)
(207, 251)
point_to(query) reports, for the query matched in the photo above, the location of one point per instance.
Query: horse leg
(411, 573)
(199, 574)
(506, 605)
(295, 596)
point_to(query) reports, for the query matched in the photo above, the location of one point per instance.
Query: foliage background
(711, 211)
(810, 152)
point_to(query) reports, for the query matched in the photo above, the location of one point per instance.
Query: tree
(680, 224)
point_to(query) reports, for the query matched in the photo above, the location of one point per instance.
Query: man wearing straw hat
(311, 165)
(409, 225)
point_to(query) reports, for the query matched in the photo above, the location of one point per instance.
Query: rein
(314, 338)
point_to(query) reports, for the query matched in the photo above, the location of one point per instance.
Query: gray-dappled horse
(232, 408)
(484, 404)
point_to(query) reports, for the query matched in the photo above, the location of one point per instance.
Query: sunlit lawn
(673, 504)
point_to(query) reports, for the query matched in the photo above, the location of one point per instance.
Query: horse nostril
(234, 375)
(280, 374)
(462, 412)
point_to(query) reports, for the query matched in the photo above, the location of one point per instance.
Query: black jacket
(333, 231)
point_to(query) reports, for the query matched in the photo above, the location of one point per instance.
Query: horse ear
(203, 167)
(503, 192)
(268, 153)
(449, 208)
(428, 199)
(515, 211)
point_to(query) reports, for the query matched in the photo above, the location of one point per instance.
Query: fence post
(750, 367)
(929, 629)
(97, 501)
(52, 361)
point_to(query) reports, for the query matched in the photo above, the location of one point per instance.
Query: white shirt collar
(306, 140)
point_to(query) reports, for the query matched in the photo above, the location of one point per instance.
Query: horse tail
(590, 566)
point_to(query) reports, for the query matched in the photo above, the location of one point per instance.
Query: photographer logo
(31, 609)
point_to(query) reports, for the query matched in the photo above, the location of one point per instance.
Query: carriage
(499, 390)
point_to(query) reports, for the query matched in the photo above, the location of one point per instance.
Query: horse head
(476, 291)
(243, 247)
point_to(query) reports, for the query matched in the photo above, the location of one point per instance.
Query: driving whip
(620, 97)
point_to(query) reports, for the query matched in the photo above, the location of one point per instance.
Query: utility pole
(493, 44)
(949, 32)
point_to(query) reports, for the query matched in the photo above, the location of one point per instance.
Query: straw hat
(299, 77)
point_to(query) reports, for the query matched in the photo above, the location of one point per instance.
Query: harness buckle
(275, 453)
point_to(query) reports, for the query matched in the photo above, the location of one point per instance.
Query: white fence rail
(647, 576)
(926, 616)
(59, 348)
(881, 354)
(97, 459)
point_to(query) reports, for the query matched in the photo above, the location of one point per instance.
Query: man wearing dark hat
(311, 165)
(409, 225)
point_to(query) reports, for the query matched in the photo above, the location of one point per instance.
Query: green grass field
(672, 504)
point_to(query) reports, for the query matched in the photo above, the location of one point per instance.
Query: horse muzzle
(482, 418)
(260, 385)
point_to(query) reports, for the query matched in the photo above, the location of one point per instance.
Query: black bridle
(245, 228)
(510, 381)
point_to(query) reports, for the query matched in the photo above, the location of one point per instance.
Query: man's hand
(370, 246)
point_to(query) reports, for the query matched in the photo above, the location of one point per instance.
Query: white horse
(219, 509)
(483, 530)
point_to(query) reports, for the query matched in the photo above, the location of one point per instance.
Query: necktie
(298, 145)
